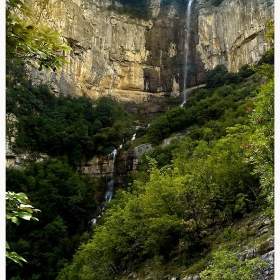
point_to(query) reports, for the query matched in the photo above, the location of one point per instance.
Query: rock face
(132, 58)
(233, 33)
(118, 167)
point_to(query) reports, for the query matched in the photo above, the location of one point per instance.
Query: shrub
(226, 266)
(215, 77)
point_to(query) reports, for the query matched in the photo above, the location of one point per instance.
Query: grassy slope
(254, 232)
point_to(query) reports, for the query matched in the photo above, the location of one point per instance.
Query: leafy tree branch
(17, 208)
(31, 42)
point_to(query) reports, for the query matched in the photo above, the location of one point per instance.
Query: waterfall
(133, 137)
(110, 185)
(113, 155)
(186, 50)
(109, 190)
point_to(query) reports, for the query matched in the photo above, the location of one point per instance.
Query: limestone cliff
(125, 161)
(233, 33)
(133, 59)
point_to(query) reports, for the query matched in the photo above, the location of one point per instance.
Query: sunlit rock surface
(233, 33)
(132, 58)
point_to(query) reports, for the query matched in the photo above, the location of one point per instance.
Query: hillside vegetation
(221, 170)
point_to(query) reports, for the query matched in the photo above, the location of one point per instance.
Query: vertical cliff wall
(233, 33)
(132, 58)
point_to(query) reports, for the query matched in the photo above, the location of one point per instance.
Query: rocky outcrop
(133, 58)
(233, 33)
(107, 48)
(98, 166)
(118, 166)
(263, 249)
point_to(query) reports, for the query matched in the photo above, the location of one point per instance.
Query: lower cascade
(110, 185)
(109, 190)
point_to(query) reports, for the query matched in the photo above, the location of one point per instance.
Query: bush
(158, 130)
(216, 77)
(138, 8)
(245, 71)
(232, 78)
(267, 57)
(226, 266)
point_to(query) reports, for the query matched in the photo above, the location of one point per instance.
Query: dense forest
(175, 209)
(62, 125)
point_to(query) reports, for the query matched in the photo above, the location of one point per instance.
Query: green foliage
(163, 156)
(268, 56)
(67, 203)
(172, 121)
(16, 209)
(223, 103)
(176, 118)
(226, 266)
(260, 147)
(232, 78)
(31, 42)
(215, 77)
(220, 171)
(158, 130)
(64, 126)
(170, 212)
(245, 71)
(170, 209)
(269, 35)
(261, 143)
(168, 2)
(15, 257)
(219, 76)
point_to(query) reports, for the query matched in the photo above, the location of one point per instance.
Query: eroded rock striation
(233, 33)
(133, 58)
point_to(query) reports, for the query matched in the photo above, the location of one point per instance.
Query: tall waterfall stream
(110, 186)
(186, 50)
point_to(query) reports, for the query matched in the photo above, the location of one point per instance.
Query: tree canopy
(35, 44)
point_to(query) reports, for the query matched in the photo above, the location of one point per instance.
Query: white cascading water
(113, 154)
(110, 185)
(133, 137)
(186, 50)
(109, 190)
